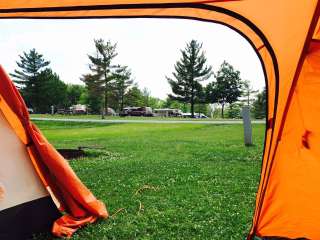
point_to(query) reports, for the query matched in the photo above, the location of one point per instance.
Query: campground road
(106, 121)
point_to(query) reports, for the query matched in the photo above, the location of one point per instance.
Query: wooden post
(247, 127)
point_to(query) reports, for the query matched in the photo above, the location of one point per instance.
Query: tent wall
(17, 175)
(25, 206)
(291, 206)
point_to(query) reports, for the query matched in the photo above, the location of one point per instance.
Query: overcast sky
(150, 47)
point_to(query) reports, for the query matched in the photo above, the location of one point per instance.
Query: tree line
(225, 89)
(109, 85)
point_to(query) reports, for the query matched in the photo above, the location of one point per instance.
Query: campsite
(164, 119)
(172, 181)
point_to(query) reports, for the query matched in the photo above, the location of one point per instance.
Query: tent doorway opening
(160, 179)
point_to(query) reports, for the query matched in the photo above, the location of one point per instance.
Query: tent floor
(21, 221)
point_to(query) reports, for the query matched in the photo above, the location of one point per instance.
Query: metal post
(247, 127)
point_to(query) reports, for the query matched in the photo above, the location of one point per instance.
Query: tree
(26, 77)
(226, 88)
(234, 110)
(248, 91)
(102, 69)
(122, 82)
(53, 91)
(134, 97)
(146, 96)
(170, 103)
(155, 102)
(94, 93)
(74, 92)
(260, 105)
(190, 70)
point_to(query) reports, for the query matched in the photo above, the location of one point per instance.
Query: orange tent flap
(54, 171)
(14, 120)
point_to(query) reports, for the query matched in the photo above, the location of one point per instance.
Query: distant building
(78, 109)
(168, 112)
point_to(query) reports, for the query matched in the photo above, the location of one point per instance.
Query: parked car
(196, 115)
(125, 112)
(199, 115)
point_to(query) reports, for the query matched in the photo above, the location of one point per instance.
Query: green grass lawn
(195, 181)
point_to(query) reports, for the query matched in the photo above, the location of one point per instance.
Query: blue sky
(150, 47)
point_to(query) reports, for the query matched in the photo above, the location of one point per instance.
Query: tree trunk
(192, 101)
(192, 107)
(106, 110)
(105, 102)
(103, 111)
(222, 110)
(122, 100)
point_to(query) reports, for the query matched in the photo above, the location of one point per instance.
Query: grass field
(165, 181)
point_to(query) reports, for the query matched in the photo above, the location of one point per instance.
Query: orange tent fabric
(56, 175)
(286, 37)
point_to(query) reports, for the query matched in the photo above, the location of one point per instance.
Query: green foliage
(74, 93)
(26, 77)
(260, 105)
(93, 96)
(155, 103)
(134, 97)
(202, 108)
(122, 82)
(146, 96)
(149, 101)
(248, 93)
(190, 70)
(102, 75)
(226, 88)
(170, 103)
(53, 91)
(204, 179)
(234, 110)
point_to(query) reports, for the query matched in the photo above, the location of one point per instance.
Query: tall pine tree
(122, 82)
(95, 93)
(248, 92)
(190, 70)
(102, 70)
(26, 77)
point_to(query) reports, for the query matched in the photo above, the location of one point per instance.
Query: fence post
(247, 127)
